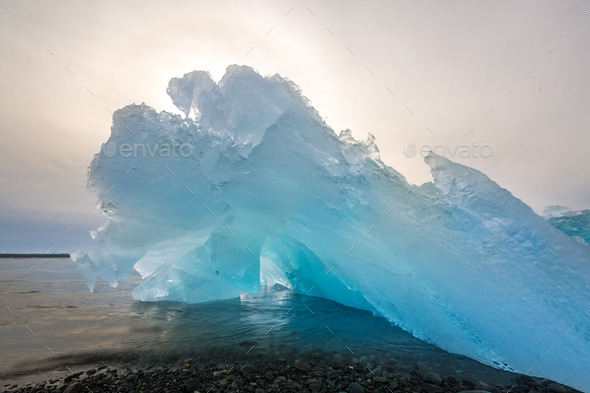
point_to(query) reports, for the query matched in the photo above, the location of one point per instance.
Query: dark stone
(422, 369)
(556, 388)
(468, 383)
(474, 391)
(430, 388)
(74, 388)
(355, 388)
(299, 365)
(92, 371)
(248, 368)
(191, 384)
(432, 378)
(528, 380)
(374, 372)
(334, 374)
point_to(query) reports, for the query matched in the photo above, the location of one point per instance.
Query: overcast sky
(508, 76)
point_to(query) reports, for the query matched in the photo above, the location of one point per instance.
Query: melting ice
(252, 188)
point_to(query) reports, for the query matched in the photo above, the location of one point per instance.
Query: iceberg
(251, 188)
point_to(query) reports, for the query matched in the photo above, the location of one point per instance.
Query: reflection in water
(108, 325)
(264, 324)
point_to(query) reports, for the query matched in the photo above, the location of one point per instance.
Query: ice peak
(242, 105)
(187, 92)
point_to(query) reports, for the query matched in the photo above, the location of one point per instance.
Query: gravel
(316, 375)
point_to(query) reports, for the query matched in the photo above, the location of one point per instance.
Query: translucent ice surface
(574, 223)
(252, 188)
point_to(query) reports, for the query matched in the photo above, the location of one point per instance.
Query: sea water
(50, 321)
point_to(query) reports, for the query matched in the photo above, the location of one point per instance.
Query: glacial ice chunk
(572, 223)
(256, 188)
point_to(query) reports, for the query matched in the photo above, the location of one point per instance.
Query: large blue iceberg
(252, 188)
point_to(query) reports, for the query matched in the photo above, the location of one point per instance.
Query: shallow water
(51, 321)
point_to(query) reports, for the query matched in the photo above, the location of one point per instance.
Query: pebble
(432, 378)
(74, 388)
(375, 372)
(355, 388)
(422, 369)
(474, 391)
(468, 383)
(192, 383)
(299, 365)
(273, 376)
(430, 388)
(248, 368)
(556, 388)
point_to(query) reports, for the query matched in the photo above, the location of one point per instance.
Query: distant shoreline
(33, 255)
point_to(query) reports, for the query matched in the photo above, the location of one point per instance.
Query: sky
(501, 86)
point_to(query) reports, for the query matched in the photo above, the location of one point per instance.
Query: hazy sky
(511, 76)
